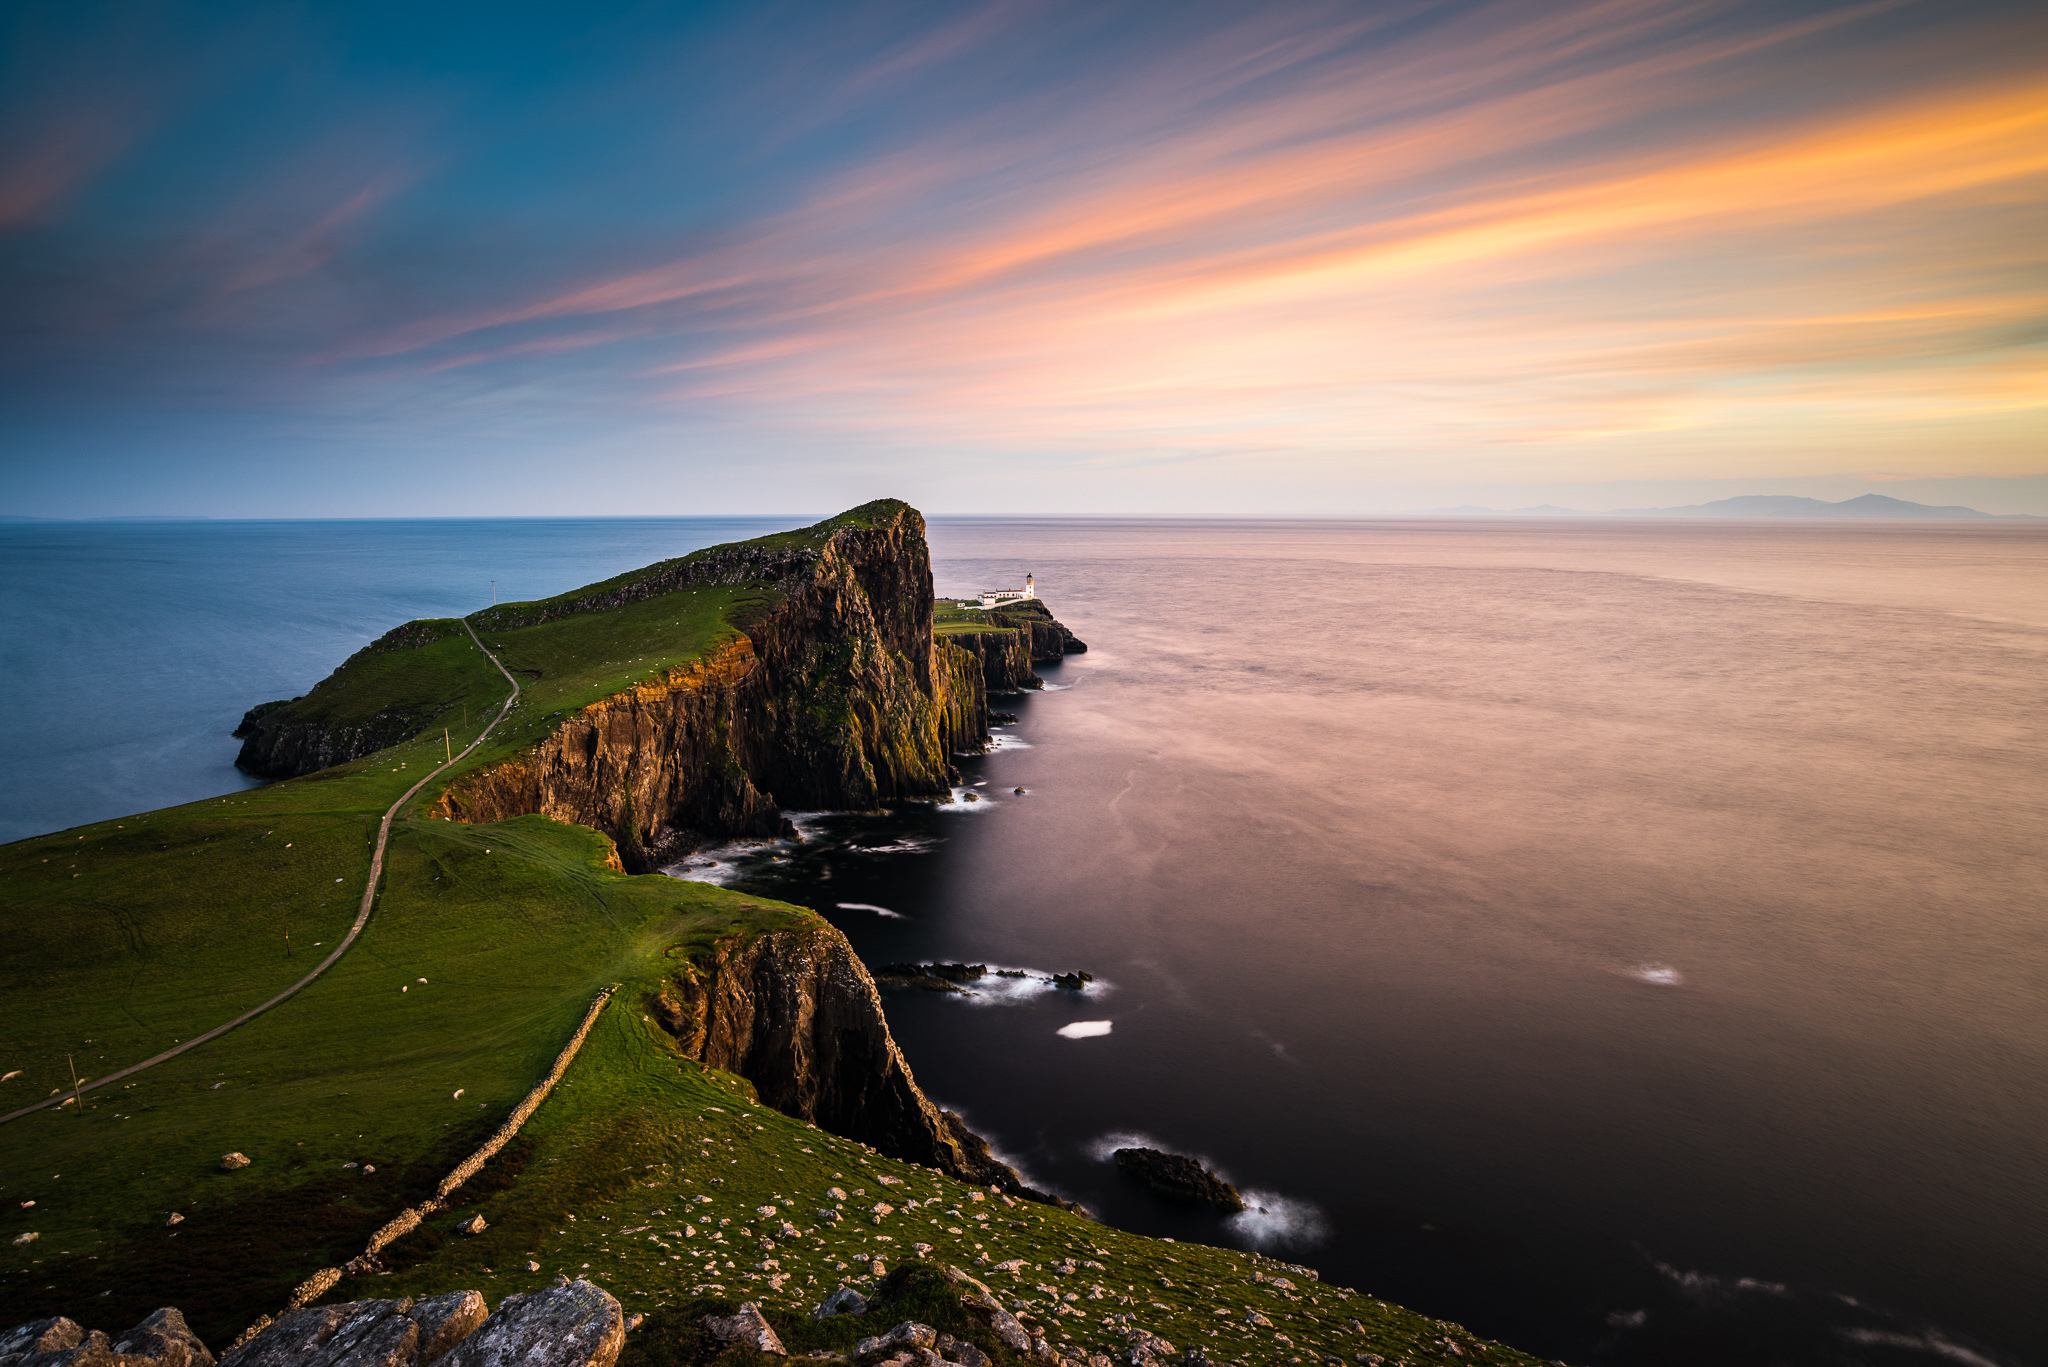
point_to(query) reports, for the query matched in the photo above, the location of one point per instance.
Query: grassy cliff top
(123, 938)
(487, 945)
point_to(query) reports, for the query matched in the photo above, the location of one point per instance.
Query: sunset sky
(368, 259)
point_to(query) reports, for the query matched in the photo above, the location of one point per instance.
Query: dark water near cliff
(1628, 941)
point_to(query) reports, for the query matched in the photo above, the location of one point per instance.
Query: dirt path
(362, 916)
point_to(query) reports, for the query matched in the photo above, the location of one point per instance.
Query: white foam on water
(1270, 1219)
(870, 906)
(960, 804)
(1921, 1343)
(993, 990)
(1657, 975)
(1008, 743)
(1056, 688)
(909, 844)
(1103, 1148)
(1084, 1029)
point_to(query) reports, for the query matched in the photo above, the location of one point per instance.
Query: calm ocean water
(1627, 940)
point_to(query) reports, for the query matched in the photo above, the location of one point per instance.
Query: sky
(375, 259)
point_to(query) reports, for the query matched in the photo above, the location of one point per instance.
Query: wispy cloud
(1323, 239)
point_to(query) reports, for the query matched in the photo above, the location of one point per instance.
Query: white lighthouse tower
(1030, 588)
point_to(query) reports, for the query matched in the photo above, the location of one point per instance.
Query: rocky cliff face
(795, 1013)
(1004, 656)
(280, 740)
(838, 696)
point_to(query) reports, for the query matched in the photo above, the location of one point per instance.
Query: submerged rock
(1179, 1178)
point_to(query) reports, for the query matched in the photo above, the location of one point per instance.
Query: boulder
(475, 1224)
(231, 1161)
(1147, 1349)
(844, 1301)
(961, 1351)
(375, 1334)
(445, 1321)
(746, 1326)
(984, 1309)
(577, 1325)
(91, 1350)
(39, 1337)
(292, 1338)
(164, 1337)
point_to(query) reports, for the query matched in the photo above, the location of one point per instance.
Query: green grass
(129, 936)
(646, 1174)
(124, 937)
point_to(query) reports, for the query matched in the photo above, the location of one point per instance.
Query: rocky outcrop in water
(1179, 1178)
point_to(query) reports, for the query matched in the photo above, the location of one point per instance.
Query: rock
(27, 1238)
(633, 1322)
(961, 1351)
(984, 1309)
(445, 1321)
(1255, 1317)
(748, 1327)
(475, 1224)
(1147, 1348)
(835, 1193)
(231, 1161)
(1011, 1265)
(375, 1334)
(91, 1350)
(844, 1301)
(1020, 792)
(176, 1219)
(164, 1338)
(532, 1266)
(1074, 981)
(38, 1337)
(292, 1338)
(578, 1325)
(911, 1334)
(1179, 1178)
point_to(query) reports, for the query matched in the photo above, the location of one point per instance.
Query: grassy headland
(487, 945)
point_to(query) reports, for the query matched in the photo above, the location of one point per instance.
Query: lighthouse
(1030, 588)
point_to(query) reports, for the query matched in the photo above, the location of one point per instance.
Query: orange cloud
(1388, 253)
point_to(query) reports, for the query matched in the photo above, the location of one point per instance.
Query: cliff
(376, 699)
(1007, 641)
(796, 1014)
(835, 693)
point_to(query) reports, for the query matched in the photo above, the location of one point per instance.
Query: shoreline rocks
(1179, 1178)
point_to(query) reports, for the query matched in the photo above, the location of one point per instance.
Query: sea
(1628, 940)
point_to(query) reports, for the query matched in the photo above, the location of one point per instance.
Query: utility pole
(448, 745)
(77, 1092)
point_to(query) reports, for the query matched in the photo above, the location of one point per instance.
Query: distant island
(1868, 508)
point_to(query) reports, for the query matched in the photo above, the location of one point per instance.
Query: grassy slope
(121, 938)
(646, 1175)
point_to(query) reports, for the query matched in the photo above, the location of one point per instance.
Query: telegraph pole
(77, 1092)
(447, 745)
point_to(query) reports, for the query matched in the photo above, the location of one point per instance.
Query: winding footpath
(362, 916)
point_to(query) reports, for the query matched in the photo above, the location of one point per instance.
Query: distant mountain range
(1868, 508)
